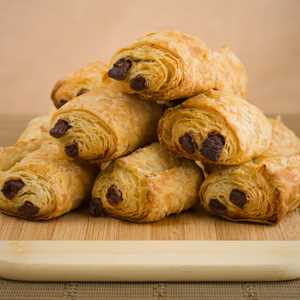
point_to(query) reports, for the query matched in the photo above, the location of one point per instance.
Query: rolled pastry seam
(105, 124)
(168, 65)
(44, 184)
(216, 128)
(262, 191)
(77, 83)
(146, 186)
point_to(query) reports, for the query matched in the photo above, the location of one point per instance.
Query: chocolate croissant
(105, 124)
(217, 128)
(169, 65)
(263, 190)
(146, 186)
(37, 180)
(77, 83)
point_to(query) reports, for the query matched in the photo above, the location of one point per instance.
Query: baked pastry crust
(80, 82)
(37, 180)
(217, 128)
(147, 185)
(105, 124)
(263, 190)
(168, 65)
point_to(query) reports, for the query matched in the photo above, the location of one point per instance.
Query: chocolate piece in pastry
(217, 128)
(146, 186)
(105, 124)
(77, 83)
(168, 65)
(37, 180)
(263, 190)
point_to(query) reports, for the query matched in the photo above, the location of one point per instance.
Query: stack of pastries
(160, 128)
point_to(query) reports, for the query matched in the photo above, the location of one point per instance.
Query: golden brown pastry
(146, 186)
(37, 180)
(168, 65)
(263, 190)
(105, 124)
(30, 140)
(77, 83)
(216, 127)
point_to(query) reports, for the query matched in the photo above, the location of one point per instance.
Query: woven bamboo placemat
(290, 290)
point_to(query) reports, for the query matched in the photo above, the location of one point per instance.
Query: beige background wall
(41, 40)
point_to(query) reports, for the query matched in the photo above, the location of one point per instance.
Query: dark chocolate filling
(187, 143)
(95, 208)
(238, 198)
(212, 146)
(72, 150)
(138, 83)
(28, 210)
(12, 187)
(217, 207)
(60, 129)
(114, 195)
(120, 69)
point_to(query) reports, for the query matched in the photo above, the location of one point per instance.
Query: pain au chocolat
(146, 186)
(37, 180)
(263, 190)
(169, 65)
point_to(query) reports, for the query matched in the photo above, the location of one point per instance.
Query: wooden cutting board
(194, 225)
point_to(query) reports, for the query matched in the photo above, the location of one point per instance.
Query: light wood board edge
(149, 260)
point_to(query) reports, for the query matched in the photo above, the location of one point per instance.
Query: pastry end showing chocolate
(217, 207)
(72, 150)
(114, 195)
(28, 210)
(187, 143)
(120, 69)
(238, 198)
(95, 208)
(12, 187)
(212, 146)
(60, 129)
(138, 83)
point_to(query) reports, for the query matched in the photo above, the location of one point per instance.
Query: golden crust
(150, 184)
(106, 124)
(37, 180)
(86, 79)
(263, 190)
(242, 128)
(176, 65)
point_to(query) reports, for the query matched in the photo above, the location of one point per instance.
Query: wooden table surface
(194, 225)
